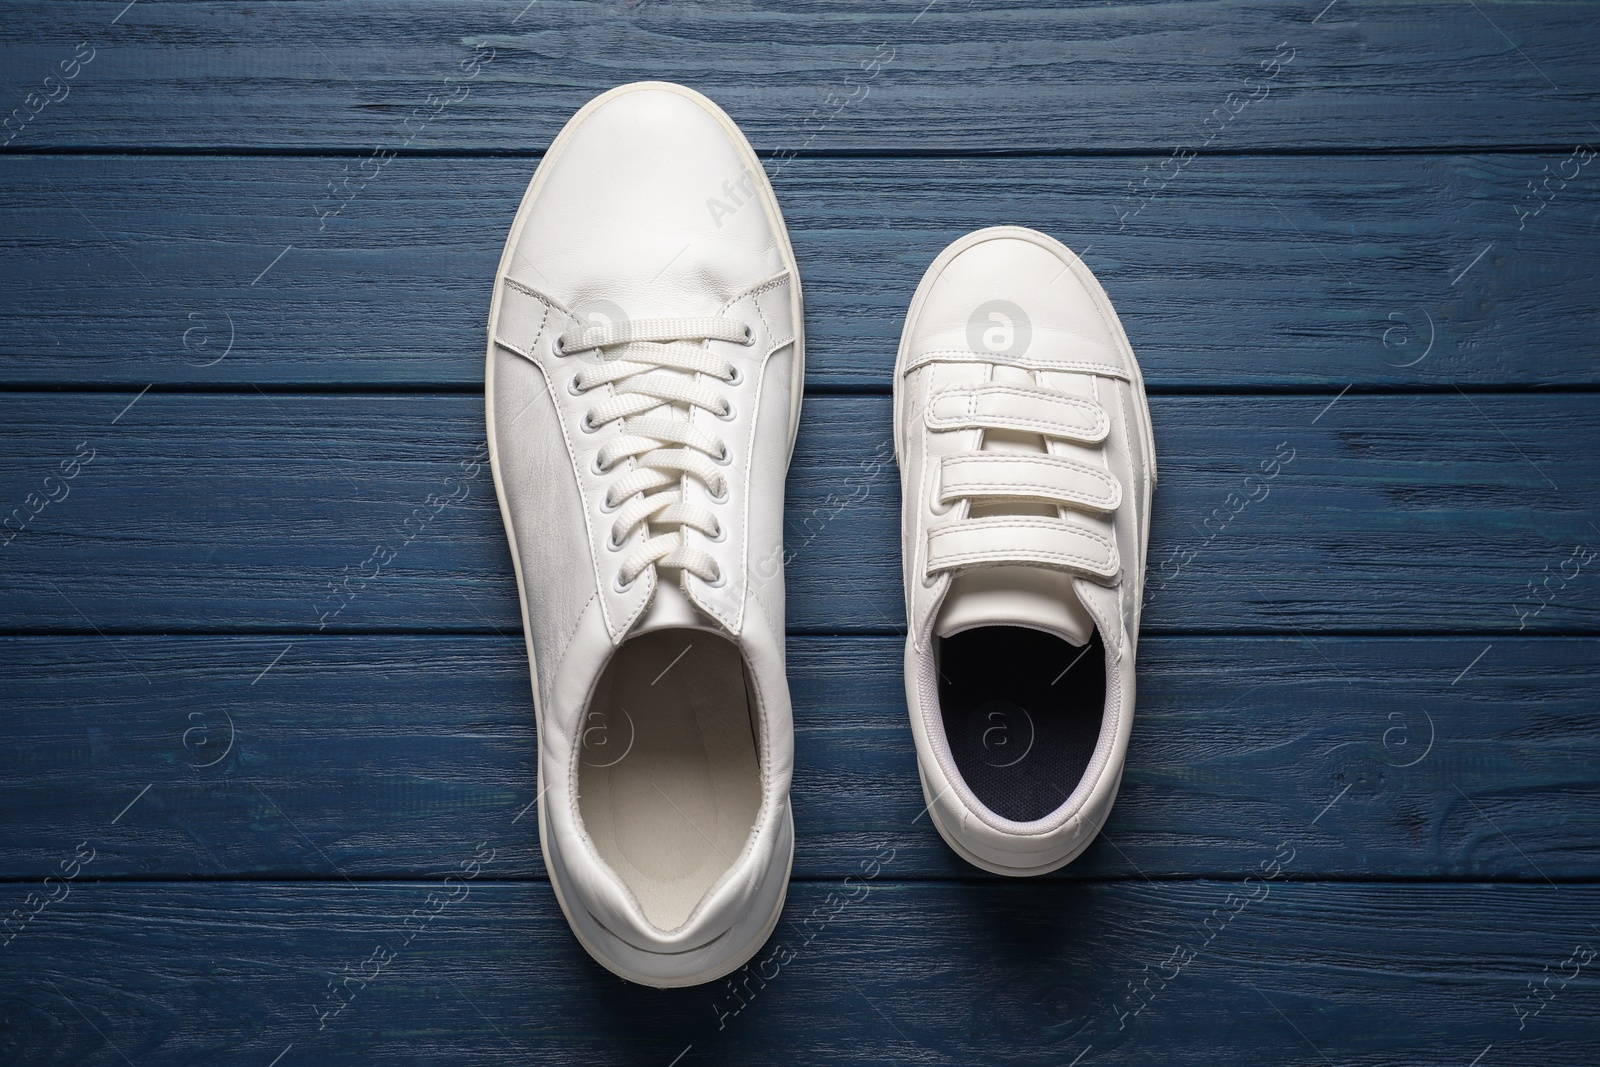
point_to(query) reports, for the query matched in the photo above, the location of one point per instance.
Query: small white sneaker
(643, 389)
(1026, 465)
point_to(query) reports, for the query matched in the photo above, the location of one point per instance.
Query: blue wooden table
(245, 261)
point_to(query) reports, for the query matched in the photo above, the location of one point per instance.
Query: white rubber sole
(710, 974)
(769, 203)
(995, 868)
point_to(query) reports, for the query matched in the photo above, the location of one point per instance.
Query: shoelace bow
(653, 365)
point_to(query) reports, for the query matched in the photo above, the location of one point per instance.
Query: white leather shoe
(1026, 465)
(643, 389)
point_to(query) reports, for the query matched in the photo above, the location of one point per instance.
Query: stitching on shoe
(1122, 614)
(774, 282)
(538, 333)
(1082, 468)
(1064, 557)
(561, 654)
(919, 602)
(766, 612)
(527, 290)
(973, 488)
(1101, 424)
(1013, 522)
(754, 296)
(572, 459)
(922, 359)
(1116, 638)
(766, 325)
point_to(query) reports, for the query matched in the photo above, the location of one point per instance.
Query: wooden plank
(377, 756)
(907, 75)
(1035, 973)
(240, 512)
(1240, 273)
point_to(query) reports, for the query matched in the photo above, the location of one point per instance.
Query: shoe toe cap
(1013, 295)
(650, 201)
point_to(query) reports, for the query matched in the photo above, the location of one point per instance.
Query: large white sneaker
(643, 388)
(1026, 465)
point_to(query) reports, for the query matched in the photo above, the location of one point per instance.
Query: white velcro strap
(1080, 546)
(994, 406)
(1031, 476)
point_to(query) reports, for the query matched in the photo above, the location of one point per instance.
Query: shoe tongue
(1018, 595)
(671, 610)
(1033, 597)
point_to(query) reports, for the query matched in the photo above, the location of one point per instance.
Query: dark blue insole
(1022, 712)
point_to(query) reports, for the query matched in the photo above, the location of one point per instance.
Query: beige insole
(668, 782)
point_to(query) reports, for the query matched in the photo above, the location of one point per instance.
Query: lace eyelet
(722, 535)
(556, 347)
(622, 587)
(724, 459)
(612, 543)
(723, 499)
(606, 507)
(722, 580)
(732, 414)
(572, 386)
(587, 426)
(595, 466)
(749, 336)
(738, 376)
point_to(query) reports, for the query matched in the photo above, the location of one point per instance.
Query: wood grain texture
(240, 512)
(866, 971)
(1243, 273)
(956, 75)
(1372, 685)
(377, 756)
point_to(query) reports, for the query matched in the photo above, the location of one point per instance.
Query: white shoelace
(654, 366)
